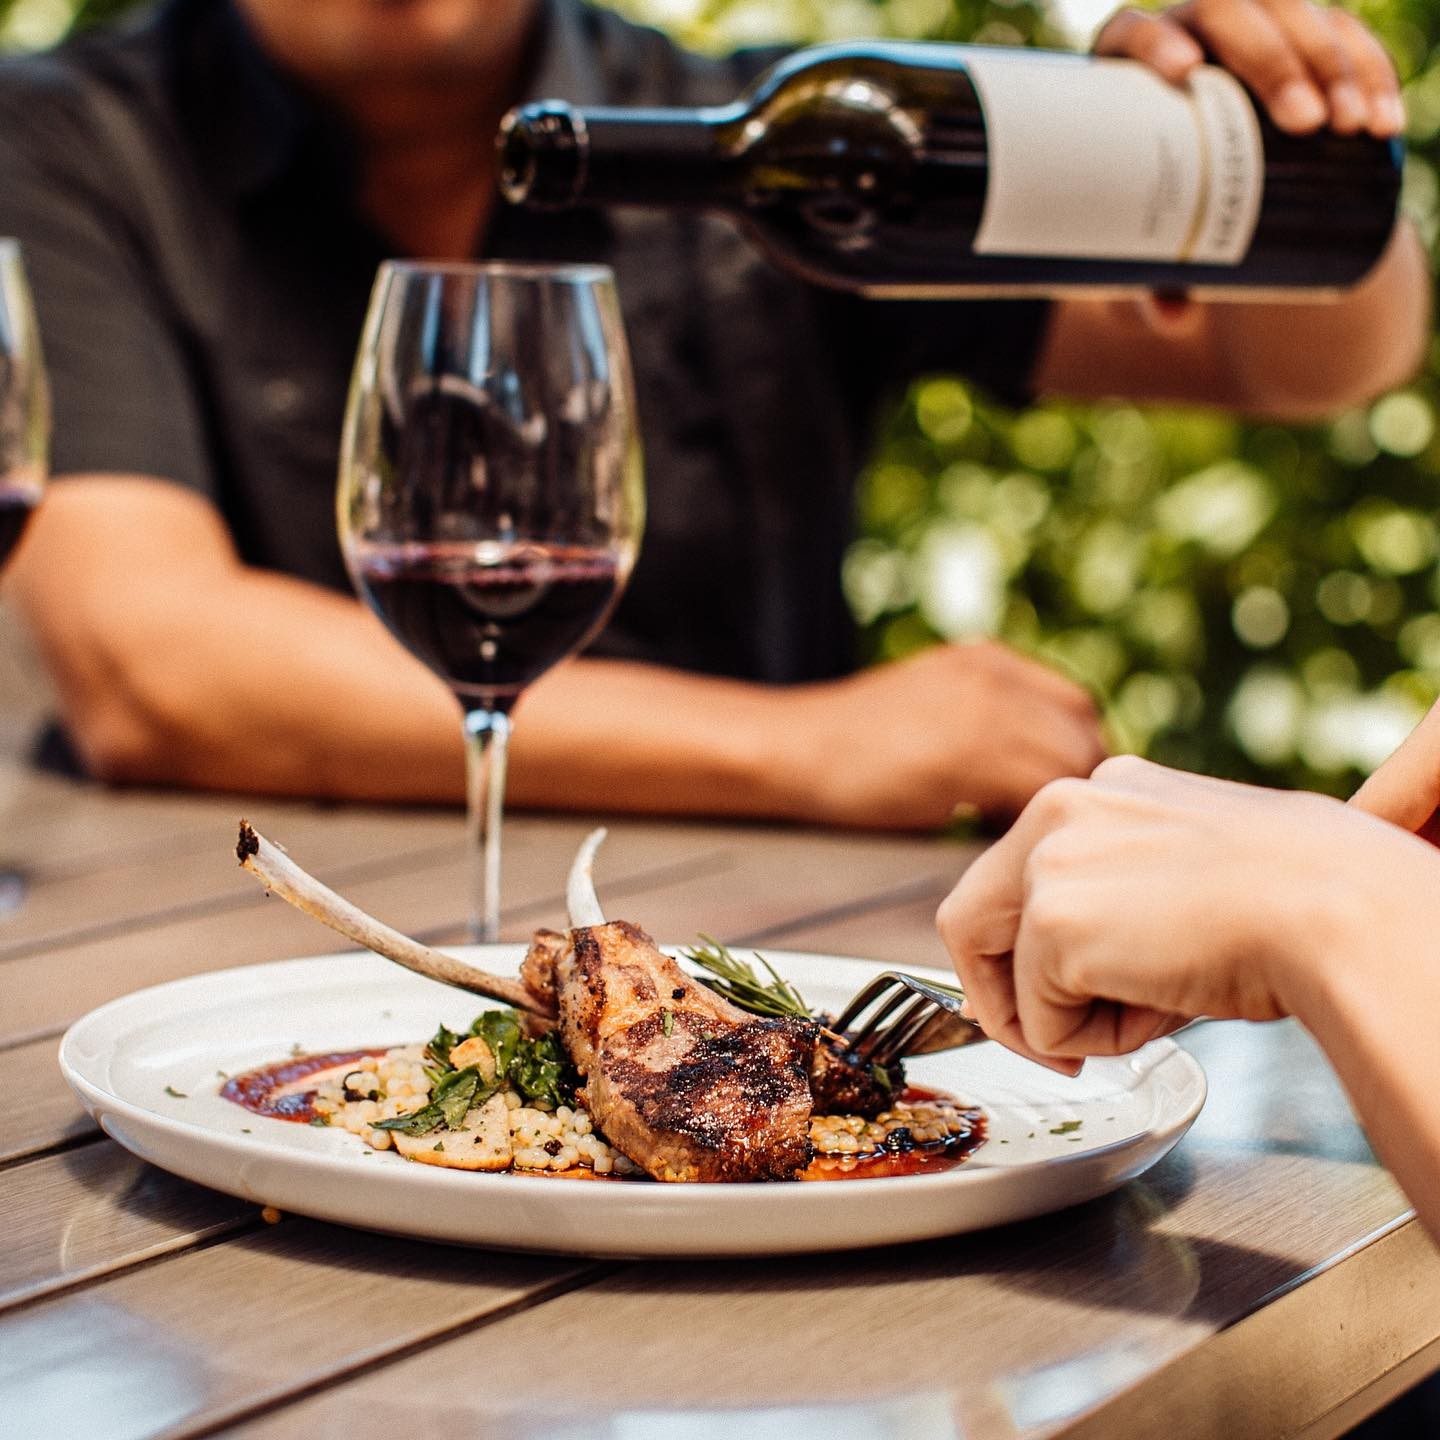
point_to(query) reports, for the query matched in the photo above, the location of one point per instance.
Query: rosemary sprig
(739, 984)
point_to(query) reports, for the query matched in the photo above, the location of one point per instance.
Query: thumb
(1405, 789)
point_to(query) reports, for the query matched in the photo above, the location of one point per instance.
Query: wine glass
(24, 442)
(24, 402)
(491, 496)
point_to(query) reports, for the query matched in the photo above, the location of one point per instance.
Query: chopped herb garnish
(881, 1076)
(438, 1049)
(245, 1131)
(739, 983)
(1066, 1127)
(177, 1094)
(439, 1145)
(320, 1120)
(538, 1070)
(667, 1022)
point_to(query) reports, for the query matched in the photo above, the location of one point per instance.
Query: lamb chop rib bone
(283, 877)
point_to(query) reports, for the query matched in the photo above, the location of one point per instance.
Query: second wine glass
(24, 444)
(491, 497)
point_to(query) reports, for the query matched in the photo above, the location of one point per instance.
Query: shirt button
(281, 397)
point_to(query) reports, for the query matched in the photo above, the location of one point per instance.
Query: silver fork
(930, 1021)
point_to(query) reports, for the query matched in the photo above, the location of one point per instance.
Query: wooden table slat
(40, 1109)
(195, 872)
(1009, 1333)
(212, 1334)
(95, 1209)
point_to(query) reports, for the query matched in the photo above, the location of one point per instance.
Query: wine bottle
(928, 169)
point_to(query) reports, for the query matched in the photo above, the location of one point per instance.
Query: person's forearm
(259, 682)
(1373, 1003)
(617, 736)
(1296, 361)
(1306, 360)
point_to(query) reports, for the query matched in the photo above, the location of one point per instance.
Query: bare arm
(1120, 908)
(1311, 66)
(1295, 362)
(176, 663)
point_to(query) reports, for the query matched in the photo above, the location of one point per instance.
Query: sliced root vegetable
(482, 1143)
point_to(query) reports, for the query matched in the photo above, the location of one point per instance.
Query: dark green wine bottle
(910, 169)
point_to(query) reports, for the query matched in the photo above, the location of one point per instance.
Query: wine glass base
(13, 886)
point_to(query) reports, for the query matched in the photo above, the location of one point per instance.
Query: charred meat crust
(843, 1084)
(684, 1083)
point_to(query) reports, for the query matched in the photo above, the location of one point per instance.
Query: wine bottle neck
(553, 157)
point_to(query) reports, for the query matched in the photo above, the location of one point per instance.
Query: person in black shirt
(203, 197)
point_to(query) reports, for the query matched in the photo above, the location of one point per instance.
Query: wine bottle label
(1104, 160)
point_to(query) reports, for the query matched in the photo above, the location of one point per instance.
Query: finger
(979, 919)
(980, 916)
(1065, 751)
(1251, 44)
(1374, 73)
(1173, 315)
(1025, 674)
(1405, 790)
(1056, 754)
(1312, 31)
(1154, 40)
(977, 923)
(1060, 1018)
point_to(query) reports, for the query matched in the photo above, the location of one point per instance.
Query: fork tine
(930, 1021)
(862, 998)
(907, 1028)
(867, 997)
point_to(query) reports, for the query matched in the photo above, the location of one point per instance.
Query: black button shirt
(201, 272)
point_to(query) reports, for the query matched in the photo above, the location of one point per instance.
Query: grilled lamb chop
(677, 1078)
(843, 1084)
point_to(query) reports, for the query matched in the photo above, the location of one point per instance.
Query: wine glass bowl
(24, 445)
(24, 402)
(491, 499)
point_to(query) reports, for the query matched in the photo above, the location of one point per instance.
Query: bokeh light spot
(1402, 423)
(1260, 617)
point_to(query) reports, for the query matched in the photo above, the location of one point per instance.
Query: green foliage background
(1251, 600)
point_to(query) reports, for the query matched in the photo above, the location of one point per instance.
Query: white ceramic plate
(126, 1058)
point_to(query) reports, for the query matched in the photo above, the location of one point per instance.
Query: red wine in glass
(490, 618)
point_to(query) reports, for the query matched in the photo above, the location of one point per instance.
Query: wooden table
(1266, 1279)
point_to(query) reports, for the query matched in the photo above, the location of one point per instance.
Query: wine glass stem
(487, 740)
